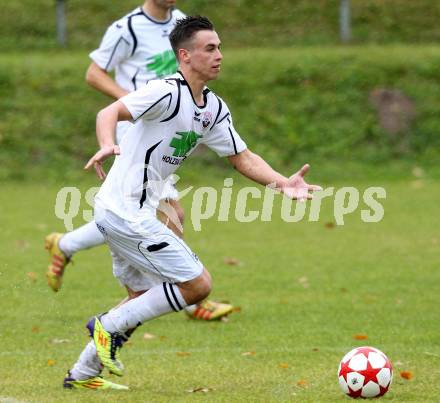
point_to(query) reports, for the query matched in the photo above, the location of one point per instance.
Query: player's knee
(205, 286)
(198, 289)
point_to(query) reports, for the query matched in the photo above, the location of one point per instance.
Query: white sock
(159, 300)
(191, 308)
(84, 237)
(88, 364)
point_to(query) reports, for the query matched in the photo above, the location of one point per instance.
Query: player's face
(204, 54)
(165, 4)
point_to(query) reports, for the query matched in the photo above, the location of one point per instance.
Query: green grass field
(305, 290)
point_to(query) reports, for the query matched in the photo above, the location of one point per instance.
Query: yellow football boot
(210, 310)
(96, 383)
(107, 345)
(58, 261)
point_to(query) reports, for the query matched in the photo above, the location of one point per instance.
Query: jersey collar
(206, 91)
(157, 21)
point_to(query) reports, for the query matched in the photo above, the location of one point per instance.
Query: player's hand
(100, 157)
(297, 188)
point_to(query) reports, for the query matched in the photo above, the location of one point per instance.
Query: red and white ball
(365, 372)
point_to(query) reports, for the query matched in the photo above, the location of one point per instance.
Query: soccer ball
(365, 372)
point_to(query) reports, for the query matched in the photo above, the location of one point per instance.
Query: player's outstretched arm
(254, 167)
(103, 82)
(106, 122)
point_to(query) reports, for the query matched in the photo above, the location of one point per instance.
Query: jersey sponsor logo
(206, 119)
(184, 143)
(162, 64)
(172, 160)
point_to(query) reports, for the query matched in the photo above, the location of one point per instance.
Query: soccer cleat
(96, 382)
(58, 261)
(107, 346)
(210, 310)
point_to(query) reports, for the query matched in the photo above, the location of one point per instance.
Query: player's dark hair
(185, 29)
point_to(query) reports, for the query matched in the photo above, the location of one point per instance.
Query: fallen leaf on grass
(32, 276)
(329, 225)
(183, 353)
(315, 349)
(236, 309)
(302, 382)
(369, 299)
(22, 245)
(360, 337)
(249, 353)
(149, 336)
(35, 329)
(51, 363)
(60, 341)
(232, 261)
(304, 281)
(406, 375)
(284, 365)
(203, 390)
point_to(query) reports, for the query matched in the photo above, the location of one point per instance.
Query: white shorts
(147, 253)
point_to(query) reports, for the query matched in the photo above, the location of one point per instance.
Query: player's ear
(183, 55)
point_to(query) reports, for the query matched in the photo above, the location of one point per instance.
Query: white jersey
(168, 127)
(138, 49)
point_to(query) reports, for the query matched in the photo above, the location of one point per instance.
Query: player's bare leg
(171, 213)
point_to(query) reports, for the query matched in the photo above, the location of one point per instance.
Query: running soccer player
(172, 116)
(137, 48)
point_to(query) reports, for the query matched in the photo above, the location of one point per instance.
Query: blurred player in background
(137, 48)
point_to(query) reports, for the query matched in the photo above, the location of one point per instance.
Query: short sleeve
(222, 137)
(150, 102)
(115, 47)
(178, 15)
